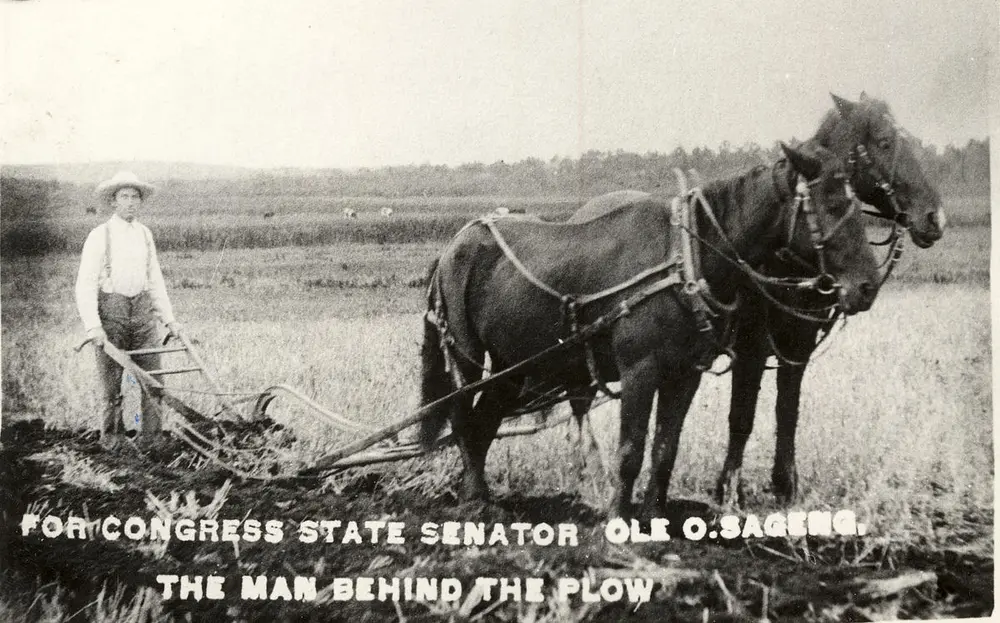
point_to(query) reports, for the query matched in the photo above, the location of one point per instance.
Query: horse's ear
(804, 164)
(844, 107)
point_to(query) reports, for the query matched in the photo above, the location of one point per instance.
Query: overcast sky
(303, 83)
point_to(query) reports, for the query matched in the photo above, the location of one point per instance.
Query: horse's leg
(784, 476)
(584, 442)
(673, 401)
(797, 340)
(475, 434)
(638, 386)
(748, 369)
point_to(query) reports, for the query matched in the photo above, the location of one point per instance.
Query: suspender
(107, 254)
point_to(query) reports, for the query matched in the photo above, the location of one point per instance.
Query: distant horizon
(251, 167)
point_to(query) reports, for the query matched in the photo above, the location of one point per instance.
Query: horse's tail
(435, 381)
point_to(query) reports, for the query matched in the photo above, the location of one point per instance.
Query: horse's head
(824, 229)
(883, 166)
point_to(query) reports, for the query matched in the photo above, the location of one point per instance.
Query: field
(213, 223)
(897, 426)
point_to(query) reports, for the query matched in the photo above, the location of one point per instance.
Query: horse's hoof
(786, 487)
(473, 493)
(653, 506)
(626, 512)
(474, 509)
(730, 492)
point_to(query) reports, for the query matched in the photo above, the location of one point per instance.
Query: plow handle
(167, 338)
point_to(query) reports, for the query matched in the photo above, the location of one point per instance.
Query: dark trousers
(130, 324)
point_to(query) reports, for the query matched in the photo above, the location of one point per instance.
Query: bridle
(822, 283)
(858, 158)
(860, 162)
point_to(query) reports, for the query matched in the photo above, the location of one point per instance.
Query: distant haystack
(386, 211)
(505, 211)
(350, 213)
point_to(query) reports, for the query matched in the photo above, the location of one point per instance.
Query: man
(120, 294)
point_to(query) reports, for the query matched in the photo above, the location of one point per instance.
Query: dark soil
(800, 579)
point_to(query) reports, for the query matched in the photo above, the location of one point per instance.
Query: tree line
(955, 170)
(962, 170)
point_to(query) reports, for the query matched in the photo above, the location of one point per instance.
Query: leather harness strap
(683, 266)
(571, 303)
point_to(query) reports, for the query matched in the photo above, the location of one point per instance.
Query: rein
(822, 283)
(784, 360)
(895, 240)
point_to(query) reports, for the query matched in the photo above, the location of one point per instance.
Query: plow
(203, 431)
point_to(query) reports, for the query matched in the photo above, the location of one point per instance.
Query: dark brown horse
(885, 173)
(482, 300)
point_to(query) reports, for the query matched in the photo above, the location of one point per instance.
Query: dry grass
(896, 424)
(896, 418)
(49, 605)
(898, 429)
(239, 223)
(77, 470)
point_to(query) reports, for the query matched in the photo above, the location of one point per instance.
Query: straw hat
(123, 179)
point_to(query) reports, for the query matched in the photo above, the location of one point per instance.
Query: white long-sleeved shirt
(134, 269)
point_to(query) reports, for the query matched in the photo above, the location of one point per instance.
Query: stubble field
(896, 426)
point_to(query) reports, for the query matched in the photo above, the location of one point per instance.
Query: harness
(106, 271)
(859, 161)
(823, 282)
(680, 272)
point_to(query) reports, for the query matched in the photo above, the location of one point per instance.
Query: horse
(386, 211)
(885, 174)
(91, 210)
(350, 213)
(649, 331)
(269, 215)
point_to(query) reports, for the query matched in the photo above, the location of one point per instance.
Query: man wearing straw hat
(120, 294)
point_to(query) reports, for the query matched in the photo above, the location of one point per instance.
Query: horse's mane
(726, 195)
(868, 111)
